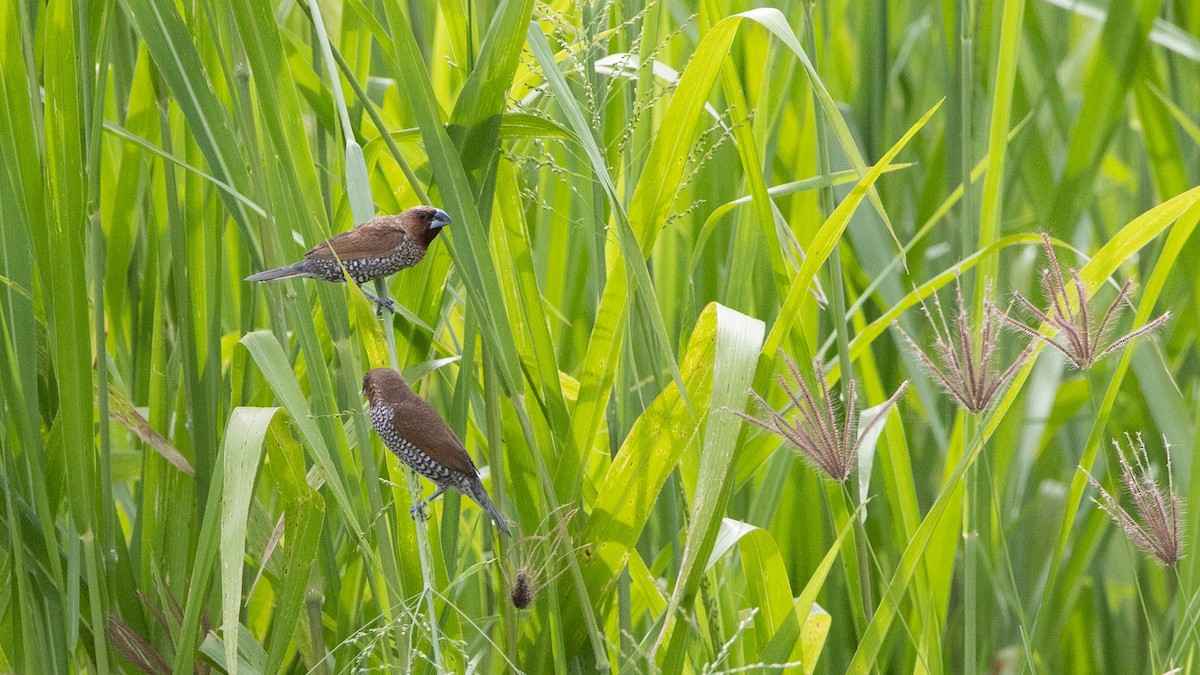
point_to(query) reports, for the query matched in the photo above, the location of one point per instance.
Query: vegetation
(659, 207)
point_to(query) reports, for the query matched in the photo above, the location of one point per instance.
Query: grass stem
(424, 550)
(970, 543)
(837, 300)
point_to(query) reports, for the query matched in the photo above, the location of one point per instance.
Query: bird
(418, 436)
(379, 247)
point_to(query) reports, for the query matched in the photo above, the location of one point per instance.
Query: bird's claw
(384, 303)
(418, 513)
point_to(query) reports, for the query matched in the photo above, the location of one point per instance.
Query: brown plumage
(416, 434)
(377, 248)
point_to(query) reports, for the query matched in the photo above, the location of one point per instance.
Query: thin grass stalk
(970, 423)
(363, 208)
(384, 133)
(1044, 618)
(599, 648)
(924, 659)
(99, 602)
(425, 551)
(390, 586)
(316, 631)
(1009, 574)
(966, 12)
(495, 438)
(837, 295)
(1154, 644)
(1187, 623)
(862, 547)
(105, 557)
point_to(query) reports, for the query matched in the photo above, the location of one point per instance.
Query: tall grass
(654, 203)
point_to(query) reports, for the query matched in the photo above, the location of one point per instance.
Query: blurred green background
(652, 202)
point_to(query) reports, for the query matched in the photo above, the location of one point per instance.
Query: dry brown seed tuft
(540, 559)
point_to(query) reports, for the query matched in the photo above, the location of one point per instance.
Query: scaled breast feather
(424, 428)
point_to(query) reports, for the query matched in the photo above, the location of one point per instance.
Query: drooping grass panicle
(1077, 334)
(961, 364)
(1158, 528)
(826, 439)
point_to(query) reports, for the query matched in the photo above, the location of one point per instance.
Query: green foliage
(652, 201)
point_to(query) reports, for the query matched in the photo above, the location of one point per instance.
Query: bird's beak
(440, 219)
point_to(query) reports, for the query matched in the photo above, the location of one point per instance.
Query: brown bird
(379, 247)
(415, 433)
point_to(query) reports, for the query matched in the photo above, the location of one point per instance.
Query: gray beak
(440, 219)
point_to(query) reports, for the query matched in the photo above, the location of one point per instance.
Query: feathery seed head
(1160, 532)
(539, 559)
(960, 363)
(1082, 336)
(827, 440)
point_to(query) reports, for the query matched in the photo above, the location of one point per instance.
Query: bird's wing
(369, 240)
(420, 425)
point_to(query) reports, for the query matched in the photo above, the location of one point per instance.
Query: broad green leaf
(244, 439)
(739, 339)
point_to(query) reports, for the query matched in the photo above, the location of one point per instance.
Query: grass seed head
(521, 593)
(1081, 335)
(1158, 528)
(541, 558)
(961, 363)
(826, 439)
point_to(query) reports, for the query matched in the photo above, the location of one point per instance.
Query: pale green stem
(1187, 625)
(421, 526)
(966, 13)
(599, 648)
(970, 541)
(837, 298)
(363, 210)
(862, 548)
(373, 113)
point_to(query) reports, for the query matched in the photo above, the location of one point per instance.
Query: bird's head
(384, 384)
(422, 223)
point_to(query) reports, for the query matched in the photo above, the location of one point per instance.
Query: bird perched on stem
(415, 433)
(379, 247)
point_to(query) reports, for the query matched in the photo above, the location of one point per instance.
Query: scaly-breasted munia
(379, 247)
(415, 433)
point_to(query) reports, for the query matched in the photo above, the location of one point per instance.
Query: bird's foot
(418, 512)
(380, 303)
(384, 303)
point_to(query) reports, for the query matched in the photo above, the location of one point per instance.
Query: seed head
(1078, 335)
(539, 558)
(963, 365)
(521, 593)
(827, 440)
(1160, 532)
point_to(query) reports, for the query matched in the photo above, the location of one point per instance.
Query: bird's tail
(480, 495)
(298, 269)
